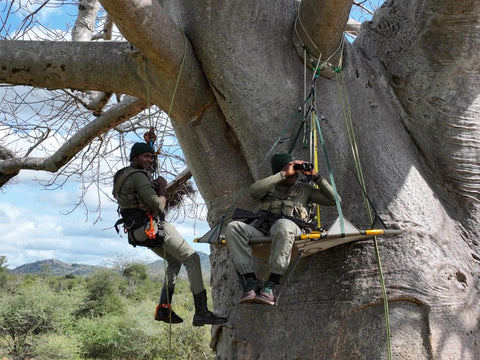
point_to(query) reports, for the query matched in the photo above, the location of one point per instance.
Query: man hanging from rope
(287, 198)
(141, 205)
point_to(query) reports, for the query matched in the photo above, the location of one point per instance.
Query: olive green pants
(238, 235)
(176, 251)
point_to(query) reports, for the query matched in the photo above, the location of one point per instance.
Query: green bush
(99, 337)
(3, 271)
(103, 290)
(34, 309)
(136, 336)
(54, 346)
(75, 318)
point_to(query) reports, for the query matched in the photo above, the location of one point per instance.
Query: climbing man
(141, 204)
(286, 199)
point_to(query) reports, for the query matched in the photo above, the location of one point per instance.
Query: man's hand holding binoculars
(305, 167)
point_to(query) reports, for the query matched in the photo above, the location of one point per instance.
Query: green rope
(176, 84)
(342, 92)
(287, 127)
(330, 173)
(302, 127)
(347, 116)
(179, 72)
(161, 144)
(147, 85)
(169, 302)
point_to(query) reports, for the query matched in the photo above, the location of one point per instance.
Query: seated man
(141, 203)
(281, 193)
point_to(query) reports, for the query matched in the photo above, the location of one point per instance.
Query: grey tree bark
(412, 79)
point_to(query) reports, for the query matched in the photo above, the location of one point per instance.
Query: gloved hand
(161, 186)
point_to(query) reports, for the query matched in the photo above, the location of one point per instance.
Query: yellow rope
(315, 161)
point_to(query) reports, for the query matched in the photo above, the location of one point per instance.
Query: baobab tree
(230, 75)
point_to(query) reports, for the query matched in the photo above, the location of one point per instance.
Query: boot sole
(263, 300)
(201, 323)
(246, 301)
(169, 322)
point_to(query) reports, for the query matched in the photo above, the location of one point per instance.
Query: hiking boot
(203, 316)
(164, 313)
(268, 295)
(251, 288)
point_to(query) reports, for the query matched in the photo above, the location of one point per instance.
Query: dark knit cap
(278, 161)
(140, 148)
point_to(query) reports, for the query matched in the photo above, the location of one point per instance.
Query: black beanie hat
(140, 148)
(278, 161)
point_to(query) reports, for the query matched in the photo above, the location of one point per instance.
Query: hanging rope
(351, 135)
(285, 129)
(150, 137)
(332, 180)
(313, 132)
(342, 94)
(176, 86)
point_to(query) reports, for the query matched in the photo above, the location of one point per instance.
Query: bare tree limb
(353, 26)
(83, 31)
(85, 23)
(6, 154)
(111, 118)
(106, 33)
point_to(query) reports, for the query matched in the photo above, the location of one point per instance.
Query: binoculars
(303, 166)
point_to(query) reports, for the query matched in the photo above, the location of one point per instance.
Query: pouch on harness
(142, 228)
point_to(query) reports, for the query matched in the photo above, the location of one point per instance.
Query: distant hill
(58, 268)
(54, 267)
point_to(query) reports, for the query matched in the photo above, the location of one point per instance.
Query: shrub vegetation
(107, 315)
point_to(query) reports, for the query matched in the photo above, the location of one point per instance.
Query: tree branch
(319, 28)
(111, 118)
(109, 66)
(145, 24)
(85, 23)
